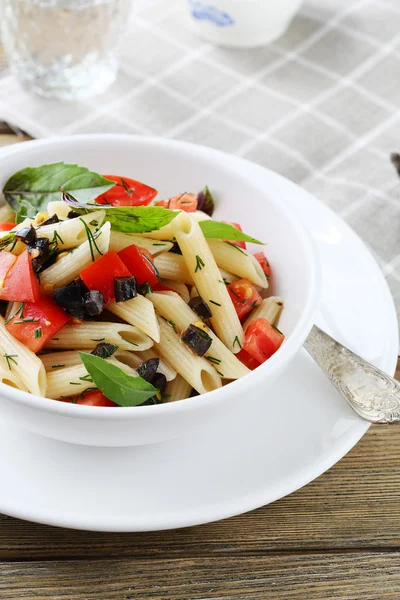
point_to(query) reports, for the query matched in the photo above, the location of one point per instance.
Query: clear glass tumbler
(66, 49)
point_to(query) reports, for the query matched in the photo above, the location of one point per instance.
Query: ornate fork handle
(371, 393)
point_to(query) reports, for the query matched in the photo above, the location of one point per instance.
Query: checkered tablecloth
(320, 105)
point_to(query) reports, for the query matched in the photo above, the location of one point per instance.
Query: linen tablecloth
(319, 106)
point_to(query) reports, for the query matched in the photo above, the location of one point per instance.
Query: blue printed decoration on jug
(205, 12)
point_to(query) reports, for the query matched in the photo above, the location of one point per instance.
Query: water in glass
(63, 48)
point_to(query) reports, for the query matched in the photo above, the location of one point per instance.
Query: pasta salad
(112, 298)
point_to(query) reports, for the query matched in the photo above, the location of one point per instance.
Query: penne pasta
(68, 267)
(196, 370)
(178, 389)
(119, 241)
(58, 360)
(71, 232)
(270, 309)
(59, 208)
(238, 261)
(12, 379)
(173, 267)
(207, 279)
(139, 312)
(179, 288)
(173, 308)
(88, 334)
(22, 362)
(228, 277)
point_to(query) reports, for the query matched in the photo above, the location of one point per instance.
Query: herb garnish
(10, 357)
(213, 360)
(38, 332)
(118, 386)
(199, 264)
(216, 303)
(237, 248)
(20, 311)
(91, 239)
(27, 320)
(57, 366)
(236, 341)
(170, 322)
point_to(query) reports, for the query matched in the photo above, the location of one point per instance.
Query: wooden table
(339, 537)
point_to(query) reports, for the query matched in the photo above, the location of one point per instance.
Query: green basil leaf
(224, 231)
(118, 386)
(28, 191)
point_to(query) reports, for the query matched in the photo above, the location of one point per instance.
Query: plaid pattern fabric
(319, 106)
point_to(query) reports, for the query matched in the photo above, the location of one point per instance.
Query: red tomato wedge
(244, 297)
(6, 262)
(127, 192)
(20, 283)
(94, 398)
(262, 259)
(37, 322)
(239, 228)
(262, 340)
(6, 226)
(186, 202)
(140, 264)
(101, 273)
(250, 362)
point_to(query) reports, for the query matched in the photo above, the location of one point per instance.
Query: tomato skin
(101, 273)
(239, 228)
(47, 315)
(262, 340)
(137, 194)
(94, 398)
(6, 226)
(266, 267)
(139, 263)
(7, 260)
(185, 202)
(244, 297)
(250, 362)
(20, 283)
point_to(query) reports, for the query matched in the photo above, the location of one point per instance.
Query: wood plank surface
(370, 576)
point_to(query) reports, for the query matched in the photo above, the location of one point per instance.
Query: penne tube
(59, 208)
(238, 261)
(174, 309)
(74, 380)
(270, 309)
(68, 267)
(179, 288)
(139, 312)
(207, 279)
(177, 389)
(196, 370)
(164, 366)
(119, 241)
(58, 360)
(228, 277)
(88, 334)
(173, 267)
(22, 362)
(12, 379)
(71, 232)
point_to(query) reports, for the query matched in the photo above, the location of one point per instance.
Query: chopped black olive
(125, 288)
(50, 221)
(194, 393)
(160, 382)
(104, 350)
(70, 298)
(200, 307)
(72, 214)
(197, 339)
(175, 248)
(79, 282)
(148, 369)
(26, 234)
(93, 303)
(39, 249)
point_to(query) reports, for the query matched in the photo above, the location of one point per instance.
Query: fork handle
(371, 393)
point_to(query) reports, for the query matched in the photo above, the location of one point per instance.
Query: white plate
(248, 463)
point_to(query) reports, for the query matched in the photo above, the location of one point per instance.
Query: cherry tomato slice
(262, 259)
(94, 398)
(20, 283)
(127, 192)
(244, 297)
(139, 263)
(37, 322)
(262, 340)
(250, 362)
(101, 273)
(6, 226)
(186, 202)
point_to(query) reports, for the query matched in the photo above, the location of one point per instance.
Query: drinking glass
(66, 49)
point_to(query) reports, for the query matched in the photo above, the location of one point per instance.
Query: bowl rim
(265, 371)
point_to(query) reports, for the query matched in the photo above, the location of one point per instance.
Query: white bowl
(171, 167)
